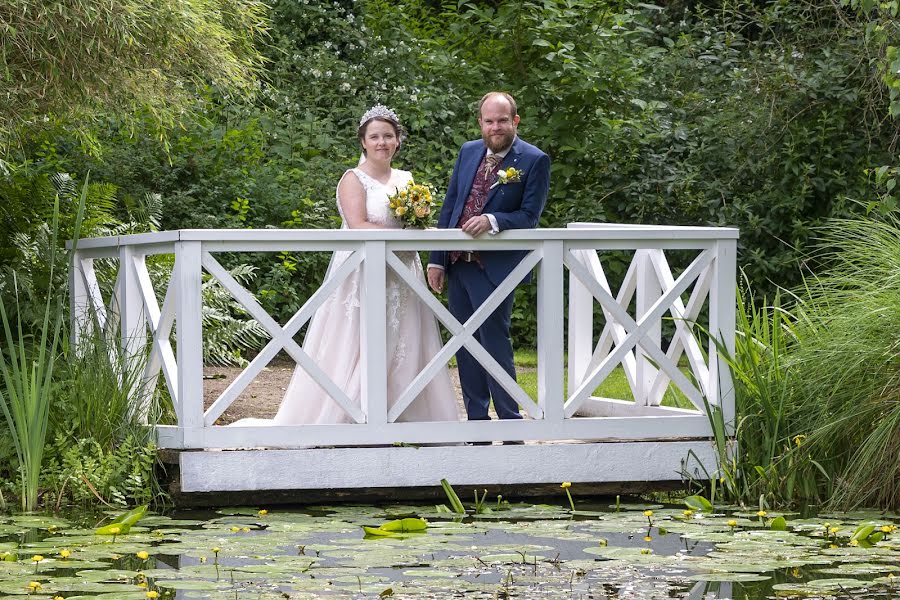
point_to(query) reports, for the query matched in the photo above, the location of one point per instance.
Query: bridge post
(132, 325)
(373, 340)
(647, 293)
(79, 301)
(581, 330)
(550, 343)
(722, 307)
(189, 335)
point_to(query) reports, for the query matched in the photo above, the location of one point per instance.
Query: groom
(478, 202)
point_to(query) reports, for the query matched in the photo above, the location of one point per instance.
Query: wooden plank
(281, 338)
(647, 294)
(356, 434)
(637, 330)
(373, 337)
(463, 466)
(550, 327)
(722, 308)
(189, 333)
(639, 233)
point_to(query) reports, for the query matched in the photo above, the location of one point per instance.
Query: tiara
(379, 110)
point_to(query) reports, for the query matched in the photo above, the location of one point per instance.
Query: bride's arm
(352, 196)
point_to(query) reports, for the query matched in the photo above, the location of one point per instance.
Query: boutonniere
(509, 175)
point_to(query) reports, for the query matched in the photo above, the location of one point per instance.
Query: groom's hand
(436, 279)
(477, 225)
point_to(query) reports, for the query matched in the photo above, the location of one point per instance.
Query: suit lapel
(467, 178)
(510, 160)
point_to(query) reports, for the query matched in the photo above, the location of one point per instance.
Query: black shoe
(479, 443)
(513, 442)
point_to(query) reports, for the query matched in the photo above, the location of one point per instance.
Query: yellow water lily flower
(648, 513)
(143, 555)
(565, 484)
(64, 553)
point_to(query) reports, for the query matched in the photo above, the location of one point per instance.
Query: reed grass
(817, 388)
(27, 368)
(848, 365)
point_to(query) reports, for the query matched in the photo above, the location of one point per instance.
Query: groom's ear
(516, 121)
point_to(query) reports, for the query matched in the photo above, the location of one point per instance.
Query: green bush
(82, 471)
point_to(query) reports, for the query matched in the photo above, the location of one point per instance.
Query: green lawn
(615, 386)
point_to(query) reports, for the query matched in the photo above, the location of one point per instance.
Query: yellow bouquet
(414, 204)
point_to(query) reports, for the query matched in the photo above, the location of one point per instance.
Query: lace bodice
(377, 193)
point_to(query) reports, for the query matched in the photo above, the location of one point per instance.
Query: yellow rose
(421, 211)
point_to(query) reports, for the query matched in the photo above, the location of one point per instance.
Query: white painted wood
(435, 364)
(634, 234)
(683, 340)
(676, 425)
(612, 331)
(581, 327)
(649, 277)
(189, 333)
(463, 335)
(550, 342)
(373, 337)
(463, 466)
(648, 293)
(616, 407)
(281, 338)
(722, 303)
(636, 330)
(132, 319)
(161, 353)
(96, 308)
(505, 288)
(79, 301)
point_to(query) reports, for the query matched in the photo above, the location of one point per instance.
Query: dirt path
(263, 396)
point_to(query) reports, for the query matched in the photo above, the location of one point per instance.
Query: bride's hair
(379, 112)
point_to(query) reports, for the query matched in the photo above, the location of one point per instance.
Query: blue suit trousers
(468, 288)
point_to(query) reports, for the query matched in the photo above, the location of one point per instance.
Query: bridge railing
(657, 328)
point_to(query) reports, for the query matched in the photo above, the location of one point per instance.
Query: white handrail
(563, 410)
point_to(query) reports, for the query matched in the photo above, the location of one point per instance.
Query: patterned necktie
(490, 163)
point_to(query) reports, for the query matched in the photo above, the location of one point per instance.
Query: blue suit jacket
(515, 205)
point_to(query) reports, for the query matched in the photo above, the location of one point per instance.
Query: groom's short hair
(510, 99)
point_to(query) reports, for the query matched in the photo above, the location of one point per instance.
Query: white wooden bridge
(683, 276)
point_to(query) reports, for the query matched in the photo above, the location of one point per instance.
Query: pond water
(514, 551)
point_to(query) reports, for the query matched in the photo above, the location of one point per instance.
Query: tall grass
(96, 387)
(818, 388)
(848, 366)
(27, 368)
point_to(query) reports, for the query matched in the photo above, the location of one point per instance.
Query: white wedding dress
(333, 337)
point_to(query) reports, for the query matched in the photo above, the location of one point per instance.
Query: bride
(333, 337)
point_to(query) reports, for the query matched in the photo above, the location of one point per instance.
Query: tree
(72, 59)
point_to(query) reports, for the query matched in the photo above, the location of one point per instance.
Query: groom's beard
(498, 142)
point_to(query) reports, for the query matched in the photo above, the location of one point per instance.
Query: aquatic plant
(27, 368)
